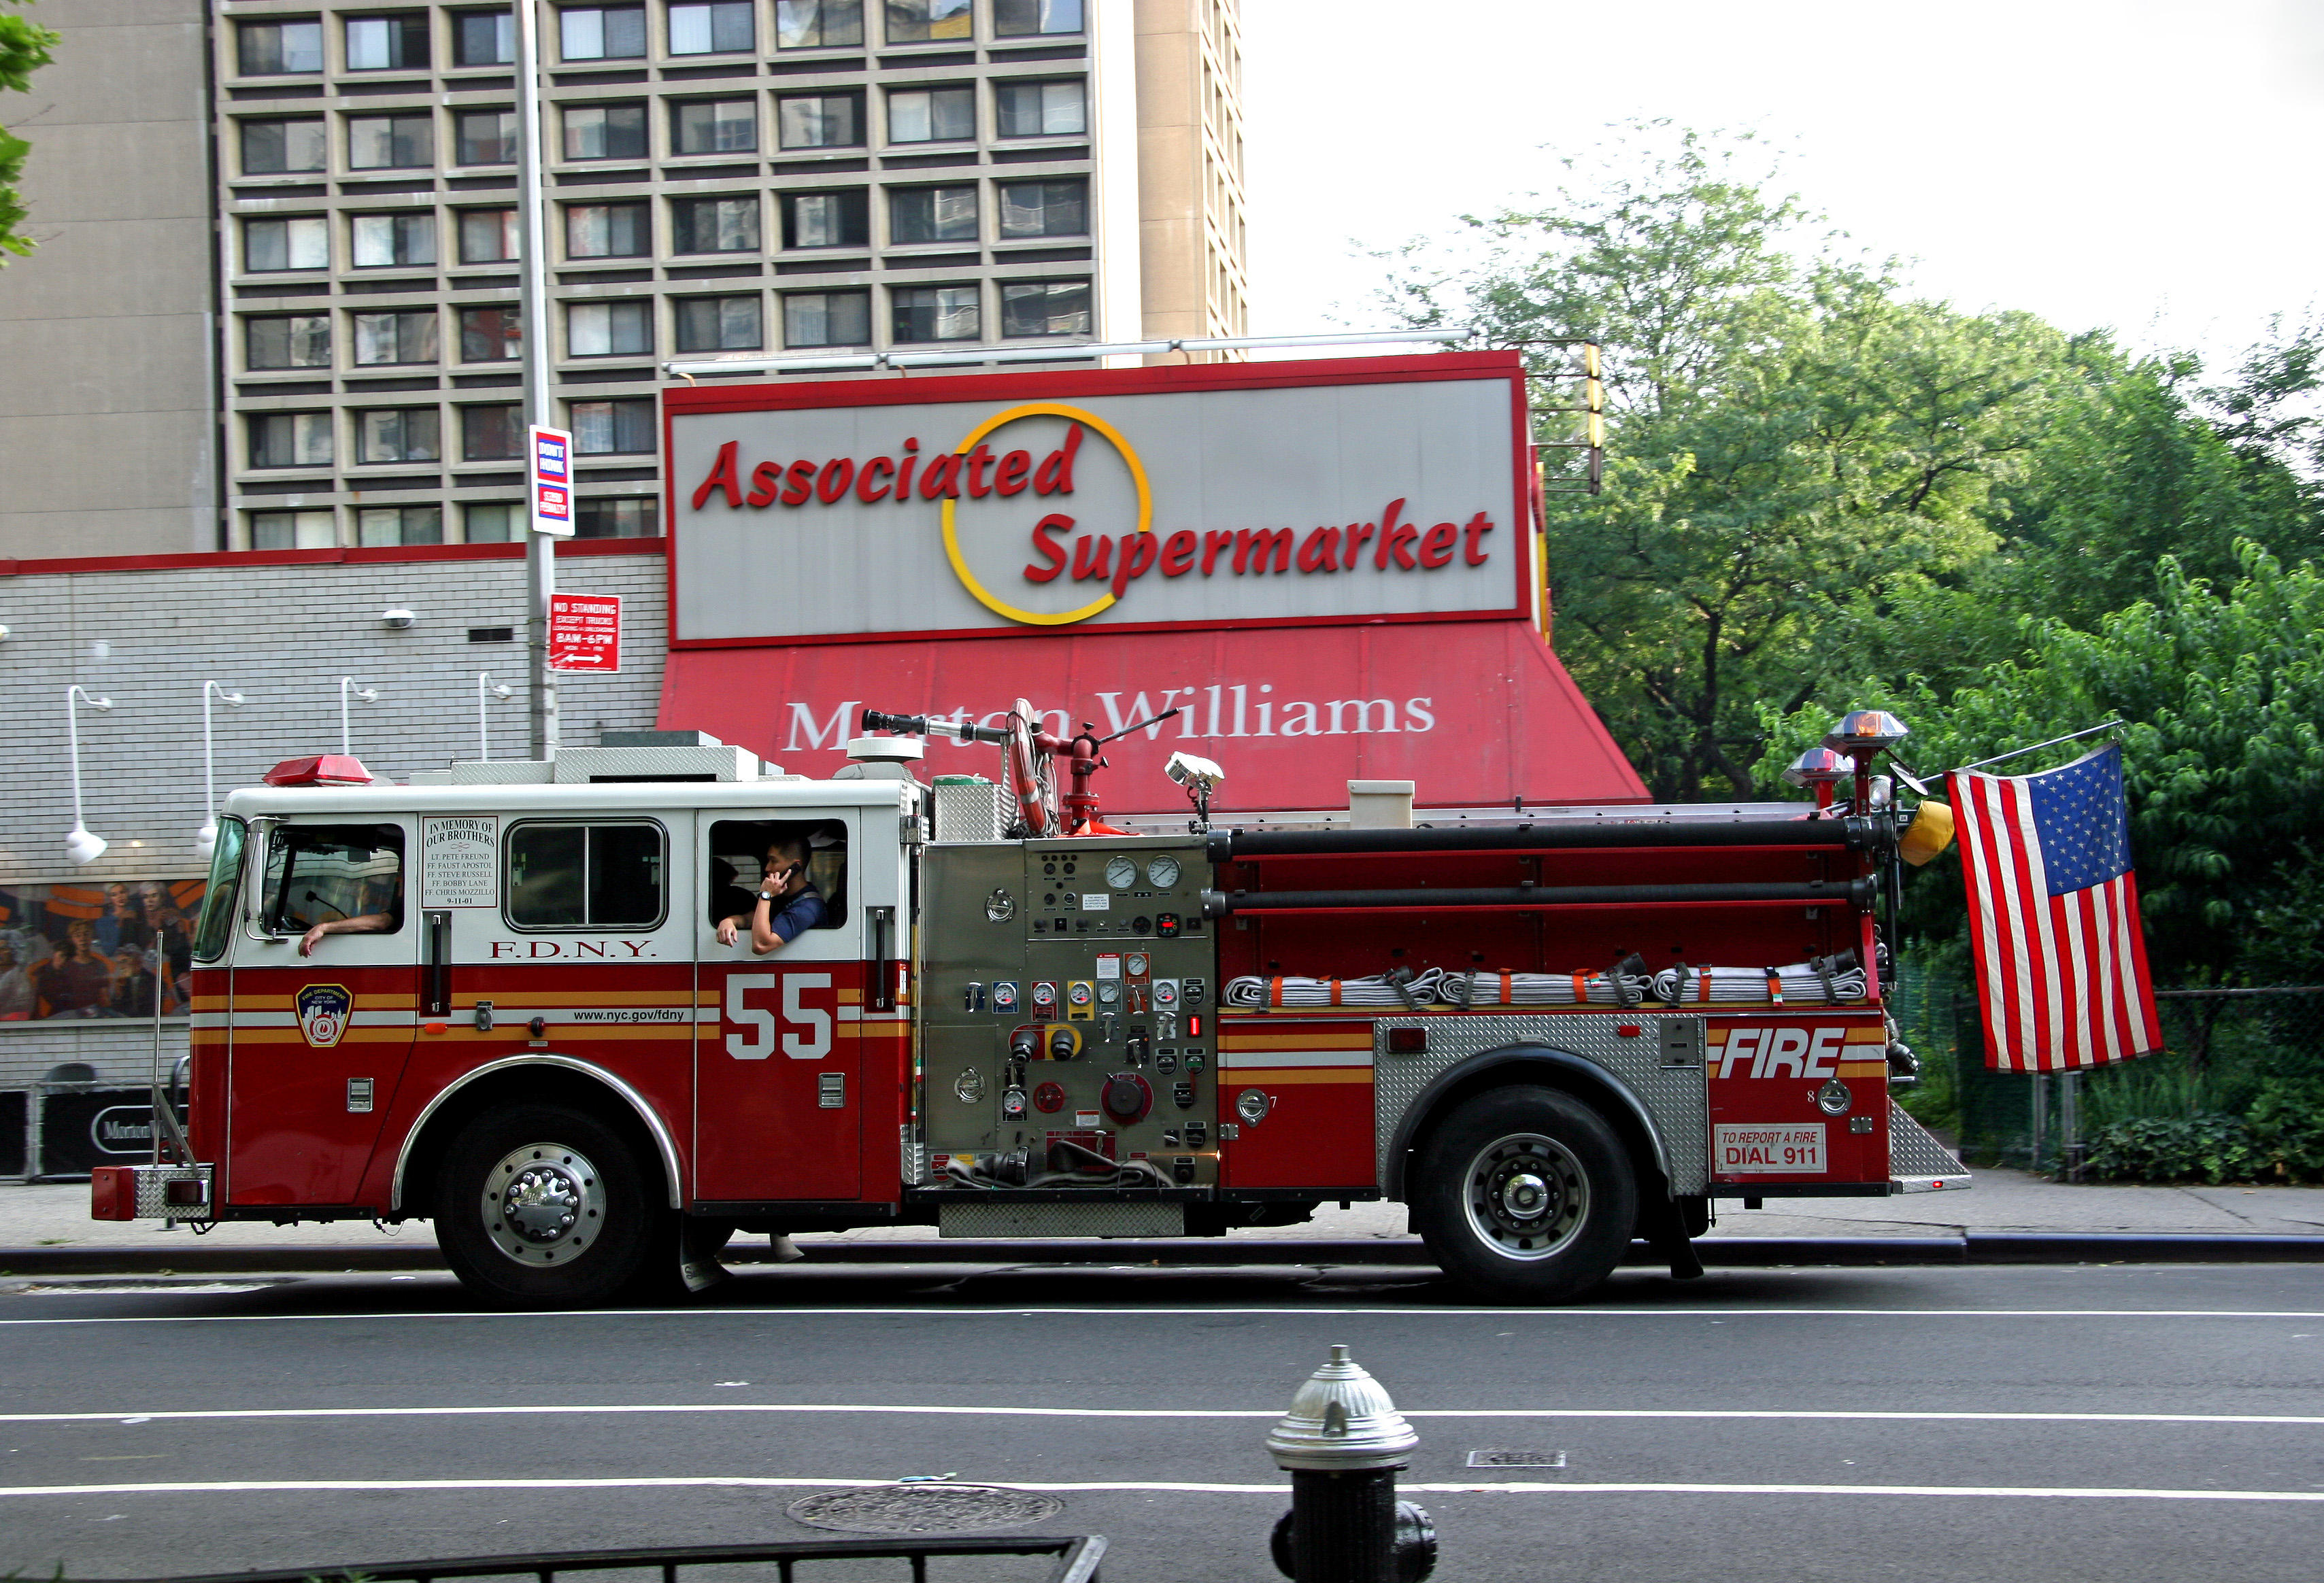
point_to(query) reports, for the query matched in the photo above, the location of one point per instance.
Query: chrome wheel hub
(543, 1204)
(1527, 1196)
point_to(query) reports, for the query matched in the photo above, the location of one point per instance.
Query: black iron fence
(1074, 1560)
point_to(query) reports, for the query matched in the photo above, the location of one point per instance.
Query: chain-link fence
(2238, 1096)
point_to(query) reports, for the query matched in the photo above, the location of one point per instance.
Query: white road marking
(971, 1410)
(1279, 1491)
(1117, 1310)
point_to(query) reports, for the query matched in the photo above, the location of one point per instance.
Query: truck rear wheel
(1524, 1195)
(544, 1206)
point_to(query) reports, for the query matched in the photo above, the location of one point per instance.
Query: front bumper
(151, 1193)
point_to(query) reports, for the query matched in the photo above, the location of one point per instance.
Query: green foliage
(24, 46)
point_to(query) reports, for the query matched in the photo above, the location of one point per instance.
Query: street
(2009, 1423)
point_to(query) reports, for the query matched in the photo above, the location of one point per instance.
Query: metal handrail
(1078, 1557)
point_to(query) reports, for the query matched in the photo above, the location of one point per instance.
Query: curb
(1982, 1248)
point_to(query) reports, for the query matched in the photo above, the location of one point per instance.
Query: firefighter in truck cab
(597, 1018)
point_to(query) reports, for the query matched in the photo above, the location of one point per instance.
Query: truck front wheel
(544, 1206)
(1524, 1194)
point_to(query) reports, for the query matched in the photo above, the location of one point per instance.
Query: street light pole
(539, 548)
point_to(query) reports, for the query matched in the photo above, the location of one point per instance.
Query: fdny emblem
(323, 1013)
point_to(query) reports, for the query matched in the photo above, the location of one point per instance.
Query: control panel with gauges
(1067, 996)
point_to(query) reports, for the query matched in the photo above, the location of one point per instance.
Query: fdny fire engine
(512, 998)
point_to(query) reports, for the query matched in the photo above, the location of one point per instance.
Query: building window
(303, 244)
(616, 519)
(827, 319)
(720, 27)
(946, 115)
(491, 334)
(391, 143)
(277, 49)
(718, 324)
(931, 213)
(491, 434)
(489, 237)
(713, 126)
(714, 225)
(272, 148)
(484, 38)
(816, 25)
(388, 43)
(933, 313)
(608, 329)
(820, 121)
(287, 340)
(614, 429)
(293, 531)
(395, 338)
(605, 131)
(384, 527)
(1044, 307)
(394, 241)
(602, 32)
(485, 137)
(290, 439)
(495, 522)
(923, 22)
(398, 434)
(1013, 19)
(607, 230)
(826, 219)
(1040, 109)
(1044, 208)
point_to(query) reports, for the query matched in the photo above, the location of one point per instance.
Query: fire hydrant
(1343, 1442)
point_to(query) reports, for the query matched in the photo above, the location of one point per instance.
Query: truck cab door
(320, 1041)
(779, 1075)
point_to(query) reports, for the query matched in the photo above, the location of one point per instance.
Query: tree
(24, 46)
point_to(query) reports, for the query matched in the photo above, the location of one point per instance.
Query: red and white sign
(585, 631)
(550, 469)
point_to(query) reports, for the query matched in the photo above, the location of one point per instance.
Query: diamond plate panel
(152, 1181)
(971, 812)
(1913, 1150)
(1676, 1097)
(991, 1219)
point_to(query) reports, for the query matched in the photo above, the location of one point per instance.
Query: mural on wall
(92, 950)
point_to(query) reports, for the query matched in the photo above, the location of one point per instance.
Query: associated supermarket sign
(1209, 496)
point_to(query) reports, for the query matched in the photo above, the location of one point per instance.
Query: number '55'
(759, 1043)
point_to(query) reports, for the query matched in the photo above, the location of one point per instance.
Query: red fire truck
(502, 998)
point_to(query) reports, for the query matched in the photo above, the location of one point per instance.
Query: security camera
(398, 618)
(1190, 772)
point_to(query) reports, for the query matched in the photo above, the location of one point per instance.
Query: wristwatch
(767, 895)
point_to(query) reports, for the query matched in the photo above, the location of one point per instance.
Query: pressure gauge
(1121, 873)
(1164, 871)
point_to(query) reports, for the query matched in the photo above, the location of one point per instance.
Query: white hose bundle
(1498, 988)
(1254, 993)
(1821, 979)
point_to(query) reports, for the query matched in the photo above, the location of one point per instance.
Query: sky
(2153, 169)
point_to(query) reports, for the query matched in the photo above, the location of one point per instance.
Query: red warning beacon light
(320, 769)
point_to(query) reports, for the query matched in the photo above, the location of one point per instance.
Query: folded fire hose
(1824, 980)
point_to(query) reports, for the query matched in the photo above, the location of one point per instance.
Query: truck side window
(318, 873)
(573, 876)
(738, 848)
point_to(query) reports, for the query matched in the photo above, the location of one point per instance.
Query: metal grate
(1078, 1557)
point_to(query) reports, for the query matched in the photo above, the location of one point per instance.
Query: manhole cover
(923, 1508)
(1499, 1459)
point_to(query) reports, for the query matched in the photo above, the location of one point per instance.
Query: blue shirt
(804, 912)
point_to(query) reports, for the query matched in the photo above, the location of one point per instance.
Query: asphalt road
(2014, 1424)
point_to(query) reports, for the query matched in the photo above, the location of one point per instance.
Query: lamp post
(368, 695)
(539, 548)
(80, 846)
(483, 715)
(205, 838)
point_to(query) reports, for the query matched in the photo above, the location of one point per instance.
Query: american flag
(2053, 916)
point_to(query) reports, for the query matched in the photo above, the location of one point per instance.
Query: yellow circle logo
(984, 430)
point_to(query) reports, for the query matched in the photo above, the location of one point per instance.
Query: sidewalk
(2009, 1216)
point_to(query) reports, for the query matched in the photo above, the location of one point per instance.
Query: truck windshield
(218, 906)
(315, 873)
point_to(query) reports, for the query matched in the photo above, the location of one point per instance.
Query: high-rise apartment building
(276, 306)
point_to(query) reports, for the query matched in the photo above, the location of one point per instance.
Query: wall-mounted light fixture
(487, 686)
(397, 618)
(368, 695)
(205, 838)
(80, 846)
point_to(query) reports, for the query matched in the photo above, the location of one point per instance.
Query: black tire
(590, 1223)
(1524, 1194)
